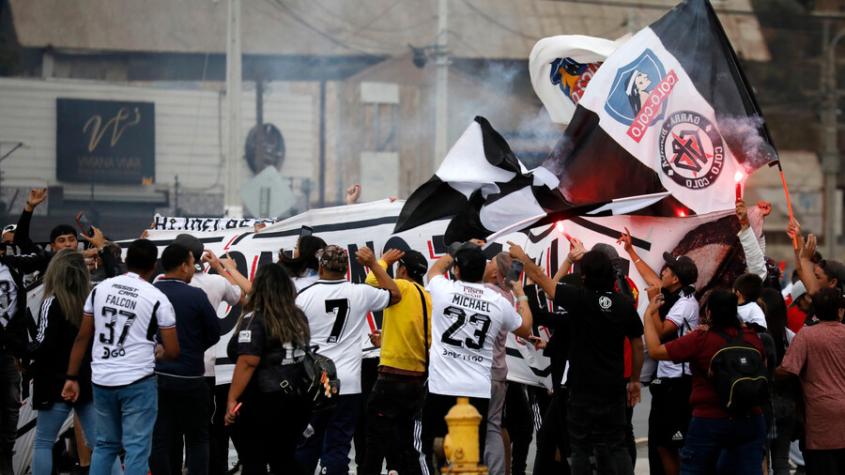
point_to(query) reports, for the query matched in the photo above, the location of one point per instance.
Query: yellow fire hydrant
(461, 443)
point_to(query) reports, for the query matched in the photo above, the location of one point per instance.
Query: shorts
(670, 411)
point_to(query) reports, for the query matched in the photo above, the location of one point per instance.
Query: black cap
(415, 263)
(683, 267)
(471, 261)
(192, 244)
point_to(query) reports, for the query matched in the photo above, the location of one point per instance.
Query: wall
(190, 134)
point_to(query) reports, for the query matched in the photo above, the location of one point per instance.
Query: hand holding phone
(84, 224)
(515, 271)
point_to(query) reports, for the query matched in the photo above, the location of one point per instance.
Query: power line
(496, 22)
(291, 13)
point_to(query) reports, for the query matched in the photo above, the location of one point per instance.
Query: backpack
(739, 375)
(313, 377)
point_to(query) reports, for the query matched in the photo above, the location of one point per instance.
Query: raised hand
(626, 241)
(518, 253)
(366, 257)
(742, 214)
(576, 250)
(35, 198)
(392, 255)
(97, 240)
(352, 194)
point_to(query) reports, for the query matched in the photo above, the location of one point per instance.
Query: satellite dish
(272, 152)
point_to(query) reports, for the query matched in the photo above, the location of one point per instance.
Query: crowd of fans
(743, 375)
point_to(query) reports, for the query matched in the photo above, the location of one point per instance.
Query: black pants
(10, 406)
(218, 435)
(825, 462)
(518, 419)
(393, 409)
(267, 429)
(553, 437)
(434, 425)
(183, 408)
(369, 374)
(630, 442)
(596, 422)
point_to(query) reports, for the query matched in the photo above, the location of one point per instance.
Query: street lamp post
(830, 150)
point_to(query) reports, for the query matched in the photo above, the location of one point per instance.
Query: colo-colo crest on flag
(668, 110)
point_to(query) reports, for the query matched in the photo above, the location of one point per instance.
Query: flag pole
(788, 201)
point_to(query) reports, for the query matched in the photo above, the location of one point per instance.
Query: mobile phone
(515, 271)
(305, 231)
(84, 224)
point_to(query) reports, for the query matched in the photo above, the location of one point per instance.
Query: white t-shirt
(8, 296)
(127, 312)
(309, 277)
(337, 316)
(684, 314)
(465, 320)
(750, 312)
(218, 290)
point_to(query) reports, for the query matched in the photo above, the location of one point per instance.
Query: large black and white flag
(484, 188)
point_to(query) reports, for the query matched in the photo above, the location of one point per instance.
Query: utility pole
(231, 197)
(829, 139)
(441, 133)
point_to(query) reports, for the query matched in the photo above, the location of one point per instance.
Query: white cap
(797, 291)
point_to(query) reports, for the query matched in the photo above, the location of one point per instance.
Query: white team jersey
(465, 320)
(684, 314)
(337, 316)
(127, 312)
(218, 290)
(8, 296)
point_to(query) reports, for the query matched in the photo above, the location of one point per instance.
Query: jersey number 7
(340, 307)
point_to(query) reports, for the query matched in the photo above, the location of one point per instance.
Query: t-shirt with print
(127, 312)
(817, 356)
(697, 349)
(465, 320)
(684, 314)
(499, 370)
(598, 324)
(337, 316)
(218, 290)
(8, 296)
(750, 312)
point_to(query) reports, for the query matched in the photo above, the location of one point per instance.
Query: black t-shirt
(252, 338)
(598, 324)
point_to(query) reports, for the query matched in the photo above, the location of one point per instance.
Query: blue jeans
(126, 416)
(734, 445)
(332, 437)
(47, 428)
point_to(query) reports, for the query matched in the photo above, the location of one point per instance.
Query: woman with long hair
(717, 441)
(303, 267)
(270, 338)
(66, 286)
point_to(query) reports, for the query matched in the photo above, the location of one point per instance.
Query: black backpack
(312, 376)
(738, 372)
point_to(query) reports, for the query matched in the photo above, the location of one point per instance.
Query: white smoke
(745, 139)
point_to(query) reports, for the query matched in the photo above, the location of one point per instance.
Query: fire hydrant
(461, 443)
